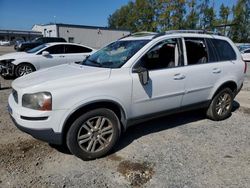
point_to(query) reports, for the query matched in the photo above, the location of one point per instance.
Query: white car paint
(73, 86)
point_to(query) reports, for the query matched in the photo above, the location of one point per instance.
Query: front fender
(89, 101)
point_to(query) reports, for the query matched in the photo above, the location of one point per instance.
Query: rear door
(75, 53)
(202, 70)
(207, 65)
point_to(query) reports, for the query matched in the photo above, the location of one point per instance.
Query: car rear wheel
(93, 134)
(23, 69)
(221, 105)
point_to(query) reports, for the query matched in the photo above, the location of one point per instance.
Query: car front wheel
(23, 69)
(93, 134)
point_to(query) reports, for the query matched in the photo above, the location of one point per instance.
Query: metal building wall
(93, 37)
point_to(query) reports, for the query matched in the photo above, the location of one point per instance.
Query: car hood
(62, 76)
(15, 55)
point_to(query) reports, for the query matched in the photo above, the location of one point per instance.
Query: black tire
(221, 105)
(23, 69)
(81, 138)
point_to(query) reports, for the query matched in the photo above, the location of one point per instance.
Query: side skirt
(147, 117)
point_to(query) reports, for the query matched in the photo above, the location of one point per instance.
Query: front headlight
(38, 101)
(9, 60)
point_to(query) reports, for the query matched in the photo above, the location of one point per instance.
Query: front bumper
(45, 129)
(47, 135)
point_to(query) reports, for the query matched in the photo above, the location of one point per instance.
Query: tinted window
(76, 49)
(247, 51)
(57, 49)
(197, 51)
(224, 50)
(165, 54)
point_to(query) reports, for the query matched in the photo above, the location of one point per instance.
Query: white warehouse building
(95, 37)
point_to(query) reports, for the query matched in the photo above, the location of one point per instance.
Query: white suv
(88, 105)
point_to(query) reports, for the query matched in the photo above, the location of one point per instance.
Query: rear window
(224, 50)
(76, 49)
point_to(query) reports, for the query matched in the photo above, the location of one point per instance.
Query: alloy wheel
(95, 134)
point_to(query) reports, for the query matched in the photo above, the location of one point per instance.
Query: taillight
(245, 69)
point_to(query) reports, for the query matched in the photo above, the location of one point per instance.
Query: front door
(56, 56)
(165, 89)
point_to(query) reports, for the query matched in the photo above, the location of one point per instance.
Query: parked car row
(25, 46)
(46, 55)
(4, 43)
(145, 75)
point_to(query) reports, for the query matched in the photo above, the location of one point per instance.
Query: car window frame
(218, 55)
(179, 39)
(208, 46)
(40, 52)
(65, 46)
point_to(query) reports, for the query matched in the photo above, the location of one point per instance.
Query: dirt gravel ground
(183, 150)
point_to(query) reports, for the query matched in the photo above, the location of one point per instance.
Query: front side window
(115, 54)
(36, 49)
(165, 54)
(56, 49)
(197, 51)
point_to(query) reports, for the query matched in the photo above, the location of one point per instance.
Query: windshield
(115, 54)
(36, 49)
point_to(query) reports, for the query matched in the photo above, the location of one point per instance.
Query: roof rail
(192, 31)
(143, 33)
(138, 34)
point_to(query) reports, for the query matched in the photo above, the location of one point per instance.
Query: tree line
(163, 15)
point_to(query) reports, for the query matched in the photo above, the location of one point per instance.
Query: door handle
(179, 76)
(216, 71)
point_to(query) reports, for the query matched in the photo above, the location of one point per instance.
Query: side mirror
(143, 75)
(45, 53)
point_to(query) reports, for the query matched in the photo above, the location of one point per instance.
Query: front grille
(15, 95)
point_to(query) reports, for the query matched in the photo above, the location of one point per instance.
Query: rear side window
(197, 51)
(224, 50)
(56, 49)
(76, 49)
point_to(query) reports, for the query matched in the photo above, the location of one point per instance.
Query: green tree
(123, 18)
(178, 14)
(240, 32)
(192, 16)
(145, 15)
(163, 14)
(223, 16)
(135, 16)
(207, 15)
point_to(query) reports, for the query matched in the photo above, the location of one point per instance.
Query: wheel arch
(109, 104)
(229, 84)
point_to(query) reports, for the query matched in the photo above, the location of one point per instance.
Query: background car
(5, 43)
(25, 46)
(43, 56)
(246, 55)
(243, 47)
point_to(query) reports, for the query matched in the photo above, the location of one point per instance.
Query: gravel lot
(183, 150)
